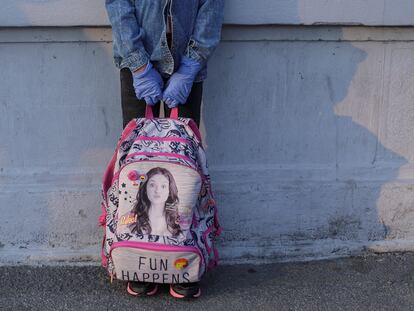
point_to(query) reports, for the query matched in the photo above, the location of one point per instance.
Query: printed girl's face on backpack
(158, 188)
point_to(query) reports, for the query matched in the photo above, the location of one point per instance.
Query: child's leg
(192, 108)
(132, 107)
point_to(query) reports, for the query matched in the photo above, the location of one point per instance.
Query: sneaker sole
(132, 293)
(180, 296)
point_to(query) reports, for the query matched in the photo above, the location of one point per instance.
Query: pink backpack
(158, 209)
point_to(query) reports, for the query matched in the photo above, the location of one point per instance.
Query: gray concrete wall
(245, 12)
(308, 133)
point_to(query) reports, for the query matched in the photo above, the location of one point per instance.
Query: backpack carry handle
(174, 113)
(150, 115)
(148, 112)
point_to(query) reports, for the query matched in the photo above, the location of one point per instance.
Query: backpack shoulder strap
(109, 172)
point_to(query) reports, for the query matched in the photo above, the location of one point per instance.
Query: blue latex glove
(180, 83)
(148, 85)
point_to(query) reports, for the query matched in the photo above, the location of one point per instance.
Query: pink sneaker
(142, 288)
(185, 290)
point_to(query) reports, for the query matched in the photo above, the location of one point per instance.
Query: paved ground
(377, 282)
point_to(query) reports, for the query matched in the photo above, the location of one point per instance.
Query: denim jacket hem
(134, 61)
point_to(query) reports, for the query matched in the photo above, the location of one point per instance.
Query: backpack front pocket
(156, 263)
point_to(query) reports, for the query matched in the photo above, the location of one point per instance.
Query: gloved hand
(179, 85)
(148, 85)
